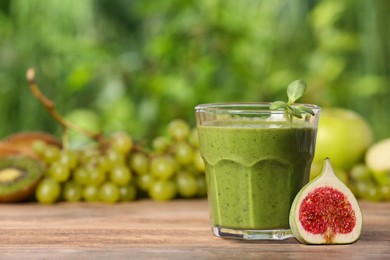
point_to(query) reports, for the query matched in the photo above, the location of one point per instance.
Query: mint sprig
(295, 91)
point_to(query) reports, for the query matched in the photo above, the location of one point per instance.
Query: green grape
(184, 153)
(162, 167)
(72, 191)
(68, 158)
(178, 129)
(139, 163)
(144, 181)
(202, 185)
(95, 175)
(120, 175)
(92, 161)
(81, 176)
(48, 191)
(385, 191)
(91, 193)
(361, 187)
(51, 154)
(381, 178)
(39, 147)
(160, 143)
(115, 157)
(191, 169)
(59, 172)
(162, 190)
(373, 193)
(109, 193)
(87, 154)
(198, 161)
(104, 163)
(186, 183)
(122, 143)
(127, 193)
(360, 172)
(194, 139)
(368, 191)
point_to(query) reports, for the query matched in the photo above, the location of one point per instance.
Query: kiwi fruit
(19, 175)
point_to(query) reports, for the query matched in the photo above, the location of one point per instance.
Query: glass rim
(247, 106)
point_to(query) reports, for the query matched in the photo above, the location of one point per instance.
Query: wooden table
(150, 230)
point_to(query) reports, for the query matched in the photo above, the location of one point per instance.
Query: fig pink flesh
(327, 211)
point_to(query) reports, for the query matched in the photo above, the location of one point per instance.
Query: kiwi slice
(19, 176)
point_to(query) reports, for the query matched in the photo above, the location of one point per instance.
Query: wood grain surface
(145, 229)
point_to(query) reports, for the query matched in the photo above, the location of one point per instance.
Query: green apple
(86, 119)
(343, 136)
(378, 161)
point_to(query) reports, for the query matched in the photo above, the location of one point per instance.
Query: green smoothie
(254, 169)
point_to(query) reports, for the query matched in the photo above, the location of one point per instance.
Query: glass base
(252, 234)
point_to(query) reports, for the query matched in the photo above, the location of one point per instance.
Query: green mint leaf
(294, 111)
(307, 110)
(295, 90)
(277, 105)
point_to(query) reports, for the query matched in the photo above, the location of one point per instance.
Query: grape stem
(51, 108)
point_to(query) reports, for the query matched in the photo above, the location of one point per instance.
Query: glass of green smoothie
(257, 159)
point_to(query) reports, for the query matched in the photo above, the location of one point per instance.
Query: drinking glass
(256, 159)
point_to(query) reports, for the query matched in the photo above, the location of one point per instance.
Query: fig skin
(329, 181)
(7, 150)
(22, 143)
(23, 138)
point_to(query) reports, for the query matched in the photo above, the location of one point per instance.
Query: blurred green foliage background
(135, 64)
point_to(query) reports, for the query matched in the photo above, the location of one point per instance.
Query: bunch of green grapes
(368, 185)
(87, 175)
(172, 168)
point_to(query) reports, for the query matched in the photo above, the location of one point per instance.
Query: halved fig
(325, 211)
(28, 138)
(22, 143)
